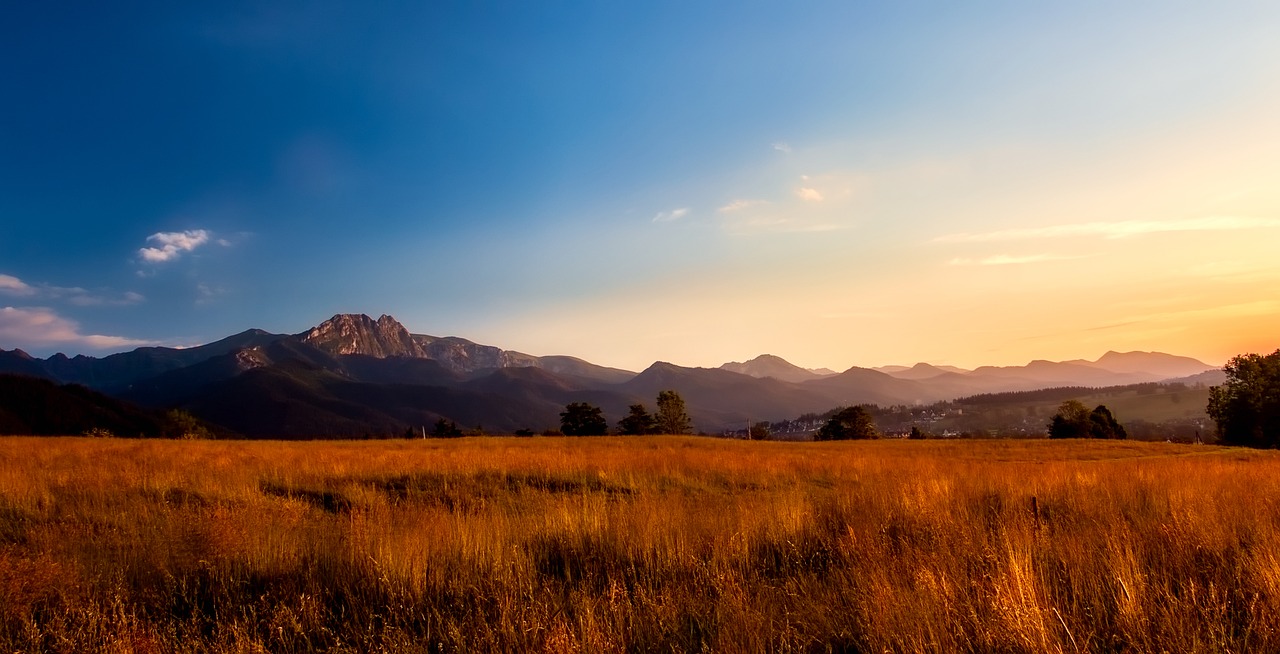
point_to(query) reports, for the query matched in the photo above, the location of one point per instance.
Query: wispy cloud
(129, 298)
(1180, 319)
(1114, 230)
(10, 285)
(14, 287)
(206, 294)
(782, 147)
(809, 194)
(776, 224)
(739, 205)
(168, 246)
(36, 327)
(668, 216)
(1007, 260)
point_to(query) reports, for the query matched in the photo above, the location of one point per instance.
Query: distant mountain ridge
(346, 334)
(768, 365)
(353, 374)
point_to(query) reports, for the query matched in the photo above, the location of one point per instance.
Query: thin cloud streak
(739, 205)
(12, 286)
(128, 299)
(669, 216)
(1009, 260)
(1237, 310)
(1116, 230)
(777, 225)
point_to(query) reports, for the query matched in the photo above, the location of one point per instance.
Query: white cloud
(809, 194)
(1114, 230)
(668, 216)
(1006, 260)
(781, 147)
(10, 285)
(170, 245)
(42, 327)
(739, 205)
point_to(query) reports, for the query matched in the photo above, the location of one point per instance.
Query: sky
(836, 183)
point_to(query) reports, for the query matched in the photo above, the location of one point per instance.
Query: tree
(445, 429)
(582, 419)
(638, 422)
(1071, 421)
(187, 426)
(1103, 425)
(916, 434)
(1247, 407)
(850, 423)
(1074, 420)
(672, 418)
(759, 431)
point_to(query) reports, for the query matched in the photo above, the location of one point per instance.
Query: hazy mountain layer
(353, 375)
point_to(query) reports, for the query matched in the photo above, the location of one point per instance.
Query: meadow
(639, 544)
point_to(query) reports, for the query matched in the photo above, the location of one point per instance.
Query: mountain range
(353, 375)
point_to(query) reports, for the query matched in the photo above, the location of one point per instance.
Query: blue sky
(836, 183)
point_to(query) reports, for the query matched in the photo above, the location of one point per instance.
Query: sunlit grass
(637, 544)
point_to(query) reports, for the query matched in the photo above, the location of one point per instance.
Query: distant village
(1017, 415)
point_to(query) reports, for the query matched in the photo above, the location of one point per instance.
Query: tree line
(671, 417)
(1246, 410)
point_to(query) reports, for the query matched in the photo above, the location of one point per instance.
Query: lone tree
(848, 424)
(759, 431)
(638, 422)
(672, 418)
(1247, 406)
(582, 419)
(1074, 420)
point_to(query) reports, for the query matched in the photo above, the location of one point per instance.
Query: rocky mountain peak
(250, 358)
(349, 333)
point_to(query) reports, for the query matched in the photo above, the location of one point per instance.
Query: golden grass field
(637, 544)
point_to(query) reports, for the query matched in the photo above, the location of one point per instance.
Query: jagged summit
(349, 333)
(352, 333)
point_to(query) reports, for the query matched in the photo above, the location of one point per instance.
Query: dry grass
(642, 544)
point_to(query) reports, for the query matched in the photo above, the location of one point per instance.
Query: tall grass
(640, 544)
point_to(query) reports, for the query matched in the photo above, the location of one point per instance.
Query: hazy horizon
(836, 369)
(837, 184)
